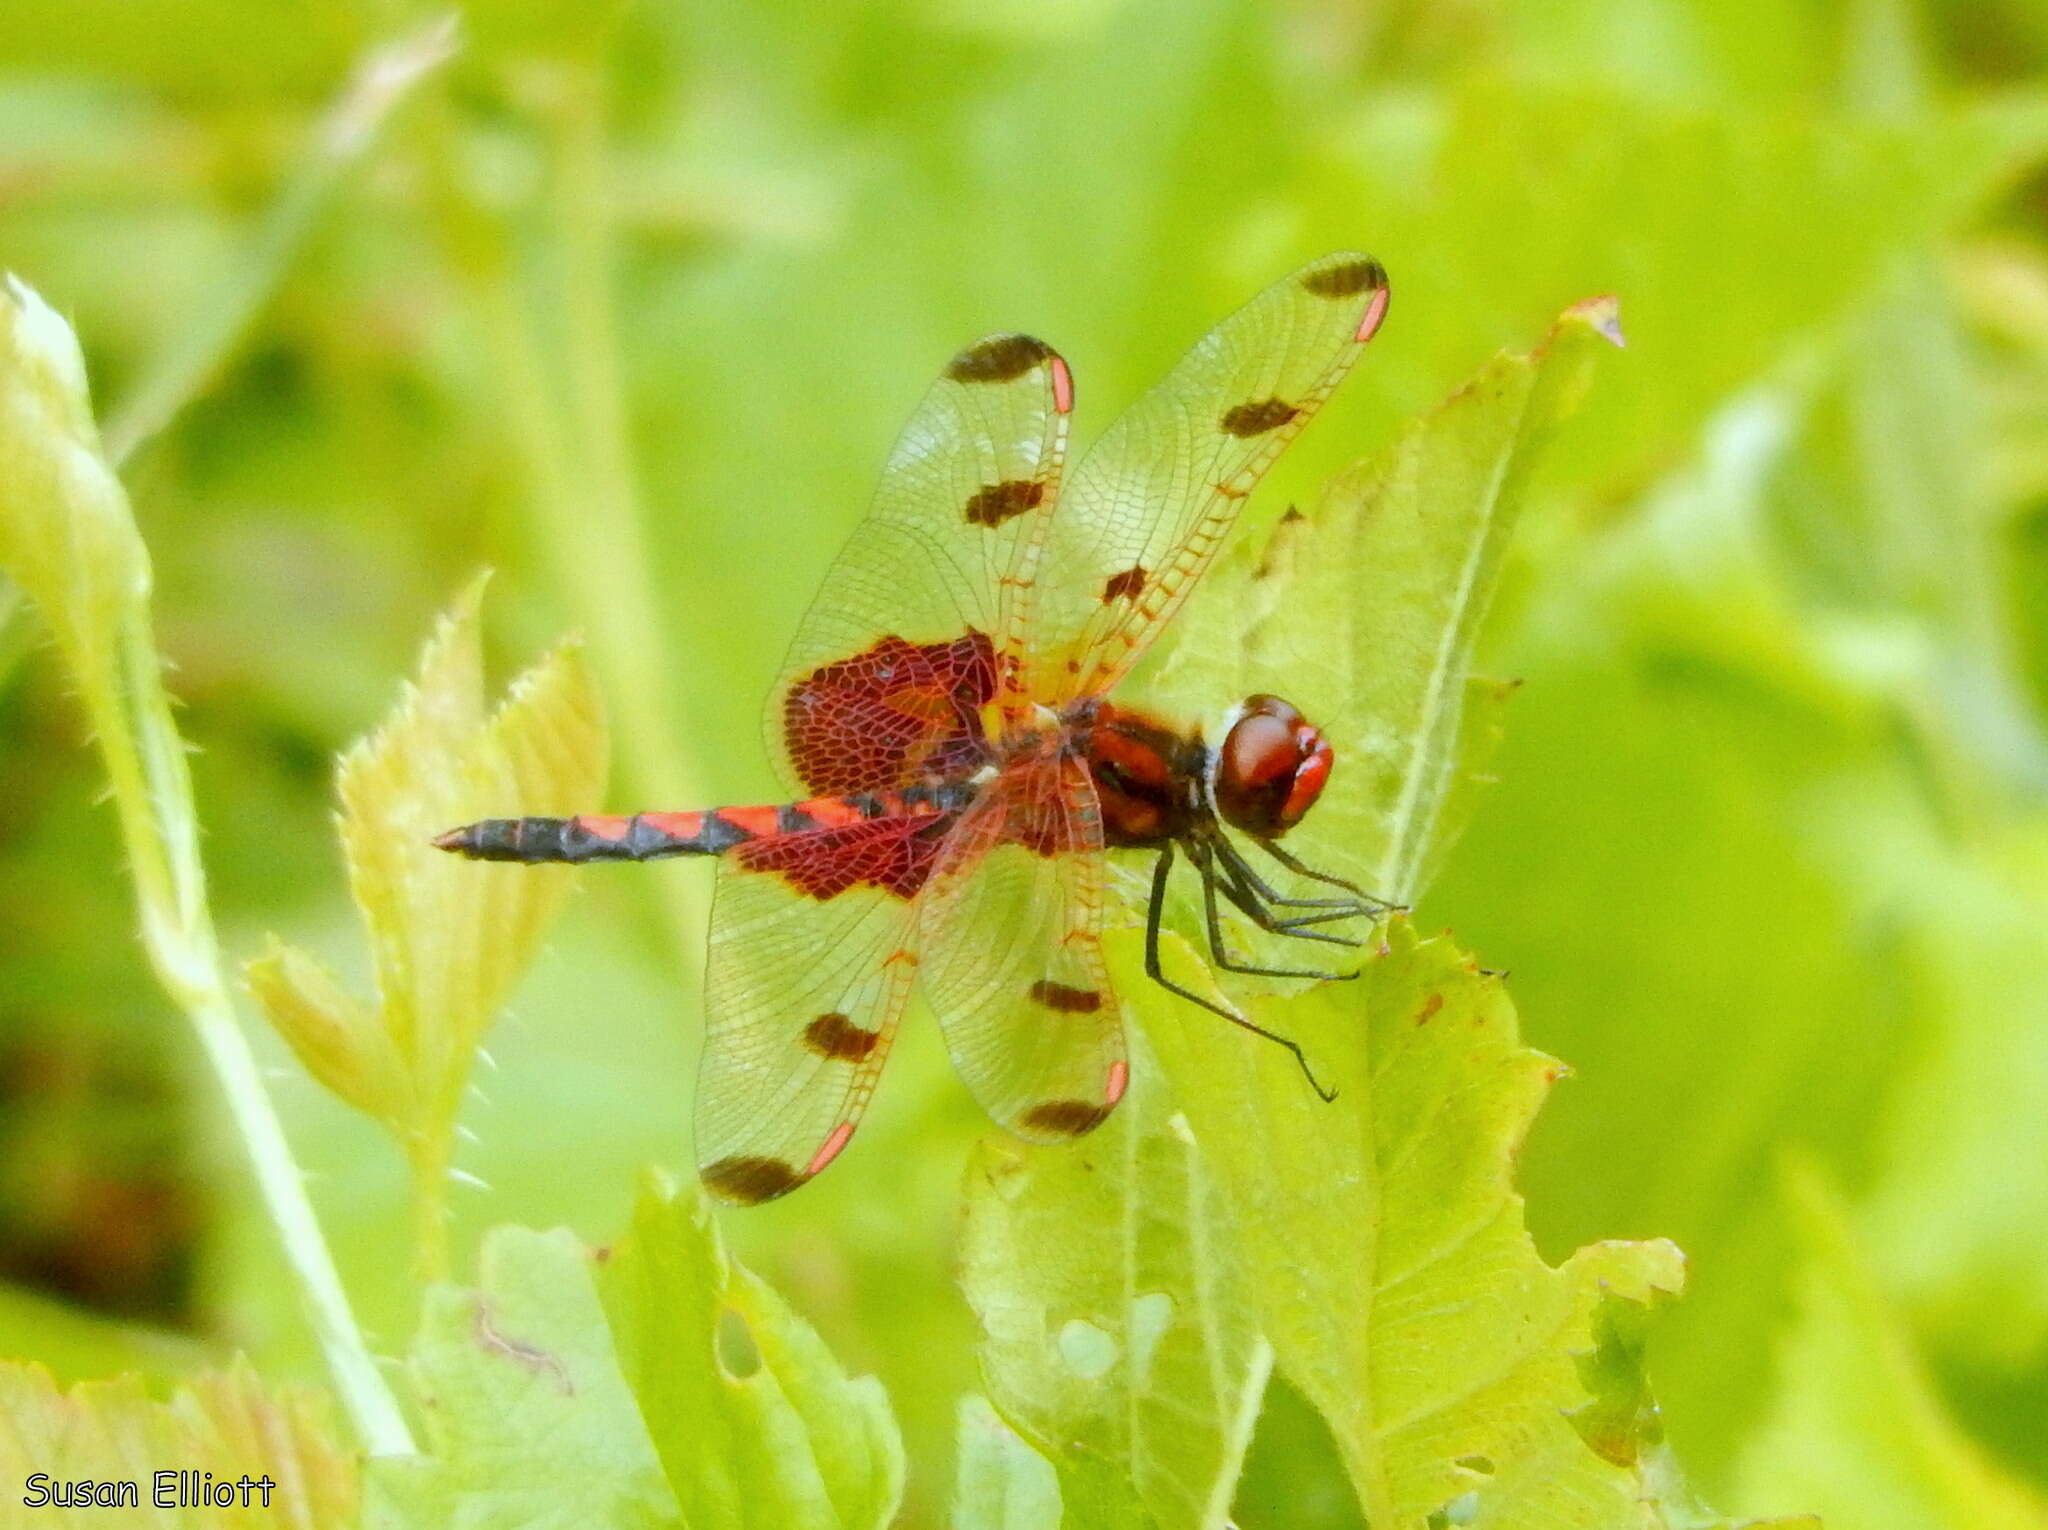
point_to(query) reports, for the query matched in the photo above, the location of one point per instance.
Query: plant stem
(218, 320)
(152, 788)
(429, 1161)
(596, 534)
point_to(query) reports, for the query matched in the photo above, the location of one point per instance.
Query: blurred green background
(628, 302)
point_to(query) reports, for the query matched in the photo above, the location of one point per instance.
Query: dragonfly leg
(1294, 864)
(1154, 913)
(1248, 877)
(1199, 854)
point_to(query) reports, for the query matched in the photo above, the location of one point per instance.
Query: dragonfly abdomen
(712, 831)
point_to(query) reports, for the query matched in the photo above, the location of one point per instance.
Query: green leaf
(530, 1425)
(1384, 1243)
(792, 1441)
(1003, 1483)
(448, 938)
(1365, 613)
(1622, 1423)
(586, 1390)
(1117, 1335)
(228, 1424)
(1859, 1432)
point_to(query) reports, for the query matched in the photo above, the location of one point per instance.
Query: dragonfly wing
(1011, 933)
(812, 955)
(918, 623)
(1149, 505)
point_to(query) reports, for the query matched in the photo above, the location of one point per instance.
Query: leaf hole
(1461, 1510)
(1150, 1316)
(1293, 1473)
(1087, 1350)
(738, 1356)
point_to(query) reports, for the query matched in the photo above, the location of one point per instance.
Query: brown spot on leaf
(1429, 1008)
(1000, 501)
(1000, 358)
(1256, 419)
(749, 1180)
(835, 1036)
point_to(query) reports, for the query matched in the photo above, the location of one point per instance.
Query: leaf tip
(1602, 315)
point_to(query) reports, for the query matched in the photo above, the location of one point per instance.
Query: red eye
(1271, 768)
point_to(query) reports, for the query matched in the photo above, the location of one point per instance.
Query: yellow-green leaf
(1859, 1432)
(334, 1033)
(228, 1425)
(1118, 1337)
(1001, 1482)
(447, 937)
(530, 1425)
(655, 1384)
(1384, 1244)
(756, 1423)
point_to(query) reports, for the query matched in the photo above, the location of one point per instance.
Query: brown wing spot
(1065, 998)
(1066, 1118)
(1000, 501)
(750, 1180)
(1258, 418)
(1126, 584)
(1347, 280)
(835, 1036)
(1000, 358)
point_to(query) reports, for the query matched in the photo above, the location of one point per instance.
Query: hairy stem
(429, 1161)
(152, 789)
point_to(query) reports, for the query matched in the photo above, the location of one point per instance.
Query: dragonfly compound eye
(1271, 768)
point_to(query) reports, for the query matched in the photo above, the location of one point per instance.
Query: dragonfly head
(1270, 768)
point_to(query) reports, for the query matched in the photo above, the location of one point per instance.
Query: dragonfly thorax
(1157, 784)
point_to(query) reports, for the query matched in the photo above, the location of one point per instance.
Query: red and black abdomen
(820, 846)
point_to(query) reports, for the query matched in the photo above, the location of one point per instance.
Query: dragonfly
(947, 723)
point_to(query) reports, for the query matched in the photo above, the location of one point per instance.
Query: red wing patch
(924, 616)
(890, 716)
(893, 854)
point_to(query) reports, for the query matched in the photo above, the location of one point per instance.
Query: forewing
(1012, 963)
(1149, 505)
(919, 621)
(812, 955)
